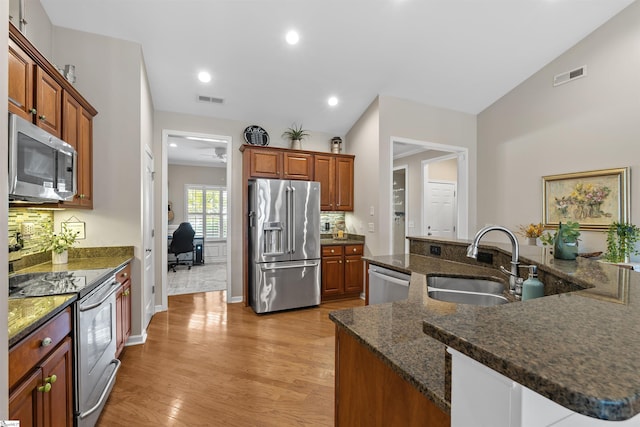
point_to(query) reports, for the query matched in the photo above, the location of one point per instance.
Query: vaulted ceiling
(457, 54)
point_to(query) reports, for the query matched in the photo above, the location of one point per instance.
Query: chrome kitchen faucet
(515, 281)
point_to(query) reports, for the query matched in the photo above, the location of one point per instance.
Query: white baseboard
(136, 339)
(234, 300)
(160, 308)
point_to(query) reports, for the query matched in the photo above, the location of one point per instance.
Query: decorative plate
(255, 135)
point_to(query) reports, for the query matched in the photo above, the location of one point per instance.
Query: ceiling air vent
(568, 76)
(210, 99)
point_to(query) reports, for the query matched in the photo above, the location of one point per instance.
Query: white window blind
(207, 210)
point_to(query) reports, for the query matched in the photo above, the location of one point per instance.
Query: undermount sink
(462, 297)
(465, 290)
(466, 284)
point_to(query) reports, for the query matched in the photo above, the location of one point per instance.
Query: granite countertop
(394, 332)
(577, 348)
(28, 314)
(330, 241)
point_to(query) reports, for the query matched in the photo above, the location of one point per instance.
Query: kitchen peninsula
(575, 346)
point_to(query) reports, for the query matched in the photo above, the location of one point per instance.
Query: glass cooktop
(53, 283)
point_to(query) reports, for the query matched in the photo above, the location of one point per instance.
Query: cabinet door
(353, 273)
(332, 276)
(58, 401)
(126, 312)
(71, 111)
(20, 82)
(298, 166)
(48, 103)
(324, 173)
(265, 164)
(85, 160)
(25, 402)
(344, 184)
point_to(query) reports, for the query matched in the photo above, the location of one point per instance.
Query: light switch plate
(371, 211)
(372, 227)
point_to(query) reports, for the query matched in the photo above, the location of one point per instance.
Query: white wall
(407, 119)
(180, 175)
(164, 120)
(587, 124)
(38, 28)
(109, 77)
(362, 141)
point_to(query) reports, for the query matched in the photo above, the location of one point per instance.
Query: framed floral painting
(594, 199)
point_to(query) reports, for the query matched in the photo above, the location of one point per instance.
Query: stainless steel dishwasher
(387, 285)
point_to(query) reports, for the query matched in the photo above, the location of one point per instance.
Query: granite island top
(577, 349)
(28, 314)
(393, 330)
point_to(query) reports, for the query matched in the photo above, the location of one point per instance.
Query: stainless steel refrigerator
(284, 244)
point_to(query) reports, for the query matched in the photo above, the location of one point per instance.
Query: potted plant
(295, 134)
(621, 242)
(531, 232)
(59, 243)
(565, 241)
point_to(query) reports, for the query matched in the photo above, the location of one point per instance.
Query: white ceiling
(457, 54)
(196, 151)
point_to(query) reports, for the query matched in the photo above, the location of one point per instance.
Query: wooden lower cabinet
(342, 271)
(44, 396)
(370, 393)
(123, 309)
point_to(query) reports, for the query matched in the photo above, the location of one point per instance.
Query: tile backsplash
(32, 219)
(330, 218)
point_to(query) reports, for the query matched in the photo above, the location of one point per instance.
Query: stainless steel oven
(95, 348)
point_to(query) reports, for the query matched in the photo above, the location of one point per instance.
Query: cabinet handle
(82, 196)
(355, 250)
(340, 262)
(52, 379)
(42, 117)
(347, 261)
(45, 388)
(331, 250)
(46, 342)
(126, 293)
(125, 274)
(33, 111)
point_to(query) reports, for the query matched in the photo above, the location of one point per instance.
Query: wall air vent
(210, 99)
(568, 76)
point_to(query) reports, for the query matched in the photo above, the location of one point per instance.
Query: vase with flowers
(531, 232)
(59, 243)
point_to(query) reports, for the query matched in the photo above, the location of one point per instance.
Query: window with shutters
(207, 210)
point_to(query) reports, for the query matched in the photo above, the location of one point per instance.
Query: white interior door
(148, 240)
(440, 209)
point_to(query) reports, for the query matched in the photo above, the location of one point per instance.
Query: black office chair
(181, 244)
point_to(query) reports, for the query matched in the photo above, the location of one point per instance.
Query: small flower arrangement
(531, 231)
(59, 242)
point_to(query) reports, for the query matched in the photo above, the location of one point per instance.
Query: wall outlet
(372, 211)
(485, 257)
(27, 229)
(411, 224)
(372, 227)
(435, 250)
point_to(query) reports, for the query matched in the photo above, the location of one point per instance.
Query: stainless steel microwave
(42, 168)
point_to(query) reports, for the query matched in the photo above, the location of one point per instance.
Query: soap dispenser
(532, 287)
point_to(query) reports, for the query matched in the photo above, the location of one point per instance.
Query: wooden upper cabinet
(297, 166)
(71, 111)
(48, 106)
(344, 183)
(325, 170)
(77, 130)
(265, 164)
(20, 72)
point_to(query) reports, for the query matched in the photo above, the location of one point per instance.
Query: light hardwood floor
(206, 363)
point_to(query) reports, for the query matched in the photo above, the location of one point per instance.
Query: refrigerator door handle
(285, 267)
(292, 225)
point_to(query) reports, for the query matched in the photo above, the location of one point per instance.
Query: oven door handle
(105, 391)
(115, 286)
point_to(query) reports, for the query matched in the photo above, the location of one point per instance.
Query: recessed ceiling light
(204, 77)
(173, 145)
(292, 37)
(333, 101)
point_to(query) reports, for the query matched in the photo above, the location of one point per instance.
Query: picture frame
(594, 199)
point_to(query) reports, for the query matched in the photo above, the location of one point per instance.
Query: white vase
(295, 144)
(532, 241)
(59, 258)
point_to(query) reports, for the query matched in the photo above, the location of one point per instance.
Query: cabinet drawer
(25, 355)
(353, 249)
(332, 250)
(124, 274)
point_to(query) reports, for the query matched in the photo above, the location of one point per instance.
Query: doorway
(400, 243)
(196, 180)
(451, 213)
